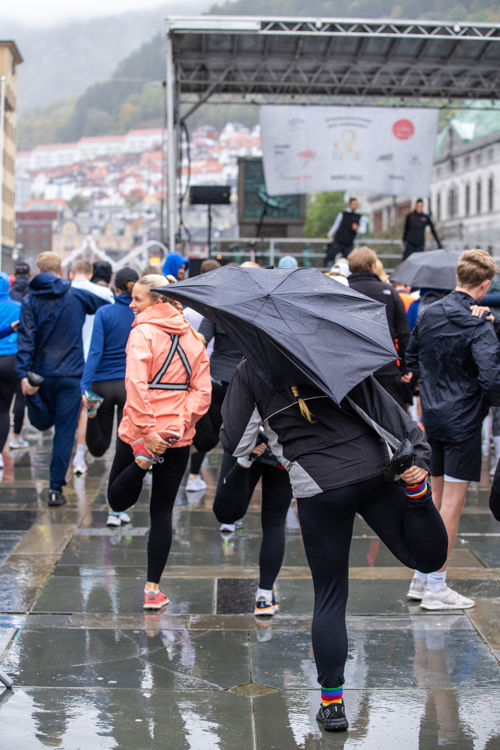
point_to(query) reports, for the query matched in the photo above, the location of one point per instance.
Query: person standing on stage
(344, 230)
(414, 232)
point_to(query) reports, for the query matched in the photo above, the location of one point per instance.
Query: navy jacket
(106, 359)
(50, 331)
(457, 358)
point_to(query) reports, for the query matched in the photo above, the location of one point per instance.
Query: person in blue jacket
(9, 313)
(175, 265)
(50, 348)
(104, 371)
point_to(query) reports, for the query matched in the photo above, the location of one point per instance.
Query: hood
(4, 285)
(164, 316)
(48, 284)
(457, 305)
(172, 264)
(123, 299)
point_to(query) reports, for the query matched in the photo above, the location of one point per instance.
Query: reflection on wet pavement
(92, 670)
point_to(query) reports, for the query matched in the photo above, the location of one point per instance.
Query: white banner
(357, 149)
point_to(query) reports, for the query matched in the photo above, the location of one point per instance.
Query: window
(438, 207)
(479, 197)
(467, 199)
(467, 162)
(491, 193)
(452, 202)
(479, 157)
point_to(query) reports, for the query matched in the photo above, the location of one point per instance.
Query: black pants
(495, 494)
(234, 492)
(124, 488)
(8, 385)
(19, 407)
(100, 427)
(208, 427)
(410, 248)
(412, 530)
(335, 248)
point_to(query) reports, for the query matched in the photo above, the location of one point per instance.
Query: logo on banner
(346, 146)
(403, 129)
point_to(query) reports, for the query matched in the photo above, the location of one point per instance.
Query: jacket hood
(164, 316)
(123, 299)
(172, 264)
(4, 285)
(457, 308)
(48, 284)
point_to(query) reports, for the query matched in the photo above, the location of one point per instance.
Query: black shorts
(458, 460)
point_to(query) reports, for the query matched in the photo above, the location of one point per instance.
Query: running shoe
(227, 528)
(113, 519)
(18, 443)
(195, 484)
(124, 517)
(56, 498)
(95, 403)
(1, 461)
(80, 467)
(154, 600)
(416, 590)
(263, 608)
(333, 717)
(445, 598)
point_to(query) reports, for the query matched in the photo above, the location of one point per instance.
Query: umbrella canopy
(294, 326)
(435, 269)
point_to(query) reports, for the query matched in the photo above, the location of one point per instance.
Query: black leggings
(235, 490)
(19, 407)
(100, 428)
(208, 427)
(124, 488)
(412, 530)
(8, 385)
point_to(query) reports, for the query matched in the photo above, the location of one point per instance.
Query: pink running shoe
(154, 600)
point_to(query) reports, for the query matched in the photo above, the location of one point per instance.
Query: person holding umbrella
(328, 423)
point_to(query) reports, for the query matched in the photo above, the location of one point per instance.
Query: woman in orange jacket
(167, 381)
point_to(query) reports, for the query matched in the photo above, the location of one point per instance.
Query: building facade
(10, 58)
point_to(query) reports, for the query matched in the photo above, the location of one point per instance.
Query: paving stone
(161, 659)
(101, 719)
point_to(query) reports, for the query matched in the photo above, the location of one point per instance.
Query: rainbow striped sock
(331, 695)
(416, 491)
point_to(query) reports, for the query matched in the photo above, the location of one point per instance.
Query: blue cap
(288, 261)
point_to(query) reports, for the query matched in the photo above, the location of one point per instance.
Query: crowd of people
(112, 363)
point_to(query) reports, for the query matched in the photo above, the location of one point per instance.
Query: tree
(321, 213)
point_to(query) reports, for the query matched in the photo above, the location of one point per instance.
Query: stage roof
(314, 60)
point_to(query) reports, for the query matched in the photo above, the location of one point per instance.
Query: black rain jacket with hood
(457, 358)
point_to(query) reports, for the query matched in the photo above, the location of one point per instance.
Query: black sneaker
(56, 498)
(333, 717)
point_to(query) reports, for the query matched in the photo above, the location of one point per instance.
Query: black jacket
(339, 448)
(414, 229)
(20, 287)
(369, 284)
(457, 358)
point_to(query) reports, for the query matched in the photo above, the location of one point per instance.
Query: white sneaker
(445, 598)
(416, 590)
(194, 484)
(124, 517)
(18, 443)
(113, 519)
(80, 467)
(229, 528)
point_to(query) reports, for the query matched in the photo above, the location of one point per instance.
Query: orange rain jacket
(167, 377)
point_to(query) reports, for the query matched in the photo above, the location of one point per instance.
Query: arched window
(452, 202)
(491, 193)
(467, 199)
(479, 196)
(438, 207)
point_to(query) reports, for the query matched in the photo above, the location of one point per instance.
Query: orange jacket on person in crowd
(167, 376)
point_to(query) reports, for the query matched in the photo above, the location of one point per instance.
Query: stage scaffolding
(242, 59)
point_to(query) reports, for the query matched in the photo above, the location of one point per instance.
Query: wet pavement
(91, 670)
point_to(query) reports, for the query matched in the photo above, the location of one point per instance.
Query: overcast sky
(50, 12)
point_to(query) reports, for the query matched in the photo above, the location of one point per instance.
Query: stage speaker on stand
(209, 195)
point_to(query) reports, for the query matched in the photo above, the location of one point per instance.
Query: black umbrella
(435, 269)
(294, 326)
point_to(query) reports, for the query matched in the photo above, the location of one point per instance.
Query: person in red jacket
(167, 381)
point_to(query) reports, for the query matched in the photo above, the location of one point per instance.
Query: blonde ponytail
(304, 409)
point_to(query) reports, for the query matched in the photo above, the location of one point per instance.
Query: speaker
(209, 194)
